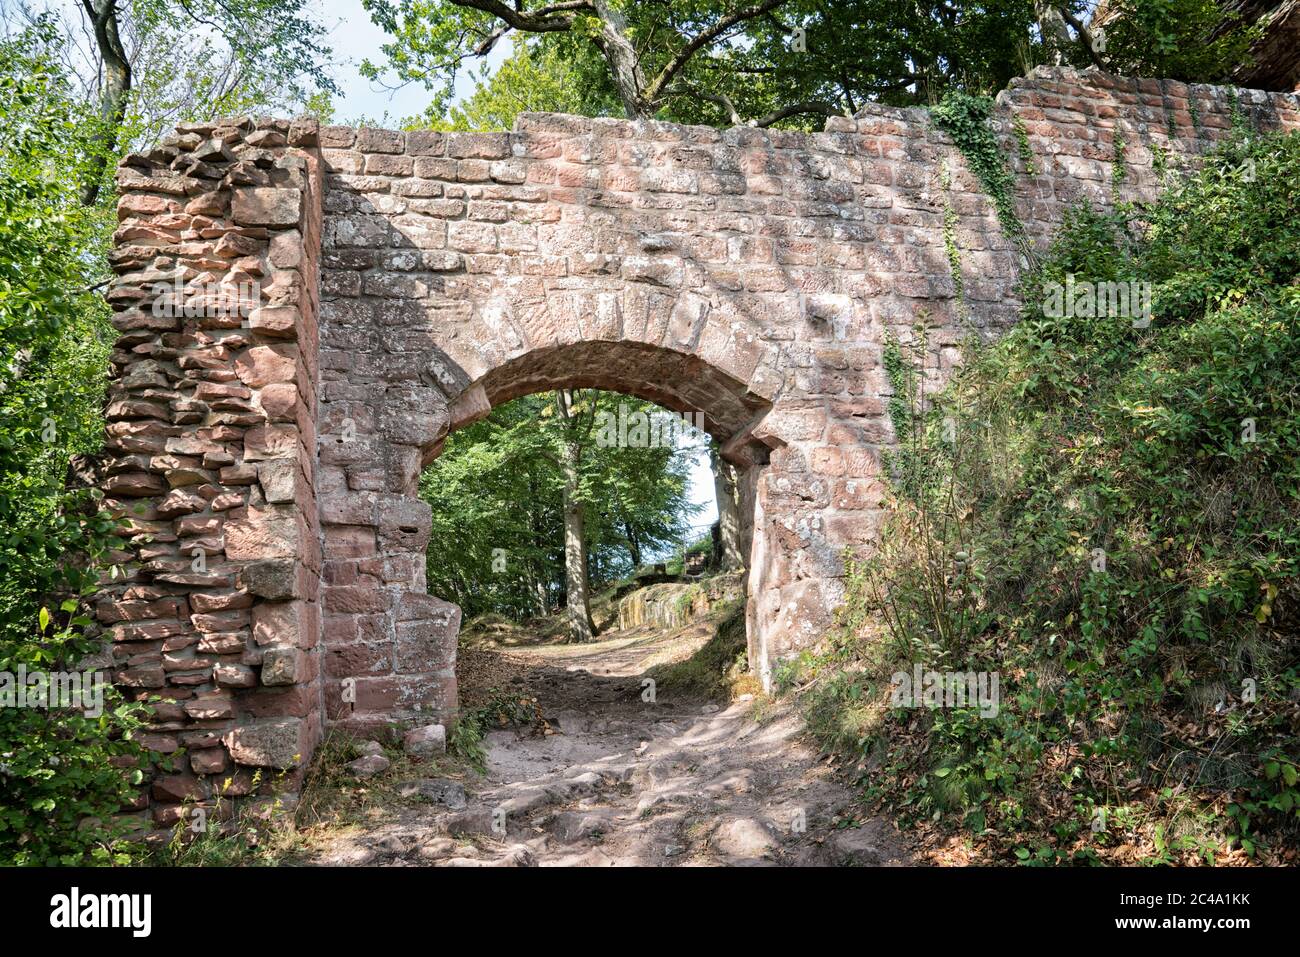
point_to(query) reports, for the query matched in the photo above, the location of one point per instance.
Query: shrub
(62, 774)
(1108, 516)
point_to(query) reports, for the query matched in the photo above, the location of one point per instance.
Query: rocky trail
(611, 779)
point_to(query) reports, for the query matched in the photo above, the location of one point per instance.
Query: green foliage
(245, 57)
(502, 710)
(1118, 171)
(950, 222)
(498, 532)
(535, 78)
(1022, 145)
(1149, 689)
(62, 774)
(838, 56)
(720, 667)
(796, 63)
(966, 119)
(1176, 39)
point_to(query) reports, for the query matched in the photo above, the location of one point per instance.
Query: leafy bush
(1109, 516)
(62, 774)
(502, 710)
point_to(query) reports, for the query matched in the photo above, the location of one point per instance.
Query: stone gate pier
(394, 286)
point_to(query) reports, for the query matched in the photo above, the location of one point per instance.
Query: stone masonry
(265, 459)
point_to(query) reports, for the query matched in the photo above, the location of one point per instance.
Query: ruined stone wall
(211, 453)
(750, 275)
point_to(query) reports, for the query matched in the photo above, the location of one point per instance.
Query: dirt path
(622, 781)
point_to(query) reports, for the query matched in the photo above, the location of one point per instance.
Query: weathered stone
(282, 665)
(399, 285)
(275, 532)
(276, 743)
(425, 742)
(367, 766)
(279, 480)
(274, 579)
(262, 365)
(267, 206)
(210, 705)
(450, 794)
(270, 442)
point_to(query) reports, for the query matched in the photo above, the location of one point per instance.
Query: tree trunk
(724, 488)
(112, 99)
(577, 598)
(541, 600)
(633, 546)
(621, 57)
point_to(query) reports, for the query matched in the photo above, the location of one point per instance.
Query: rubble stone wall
(750, 275)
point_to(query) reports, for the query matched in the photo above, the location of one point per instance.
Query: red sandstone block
(208, 761)
(292, 701)
(468, 237)
(355, 599)
(383, 164)
(178, 787)
(359, 659)
(274, 532)
(281, 623)
(473, 171)
(337, 137)
(267, 206)
(478, 145)
(349, 541)
(371, 140)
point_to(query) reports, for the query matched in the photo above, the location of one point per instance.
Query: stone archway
(397, 644)
(395, 285)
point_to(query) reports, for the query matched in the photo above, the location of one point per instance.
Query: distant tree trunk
(537, 566)
(577, 599)
(724, 488)
(113, 95)
(633, 546)
(541, 600)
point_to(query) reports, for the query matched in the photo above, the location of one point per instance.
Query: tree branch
(1085, 35)
(555, 18)
(794, 109)
(673, 66)
(721, 99)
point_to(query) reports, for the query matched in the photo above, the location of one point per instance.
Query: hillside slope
(1103, 512)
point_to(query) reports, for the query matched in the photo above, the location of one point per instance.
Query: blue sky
(355, 38)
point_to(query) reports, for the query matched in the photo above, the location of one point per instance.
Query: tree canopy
(768, 62)
(497, 493)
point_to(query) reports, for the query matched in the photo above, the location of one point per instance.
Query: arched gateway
(397, 285)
